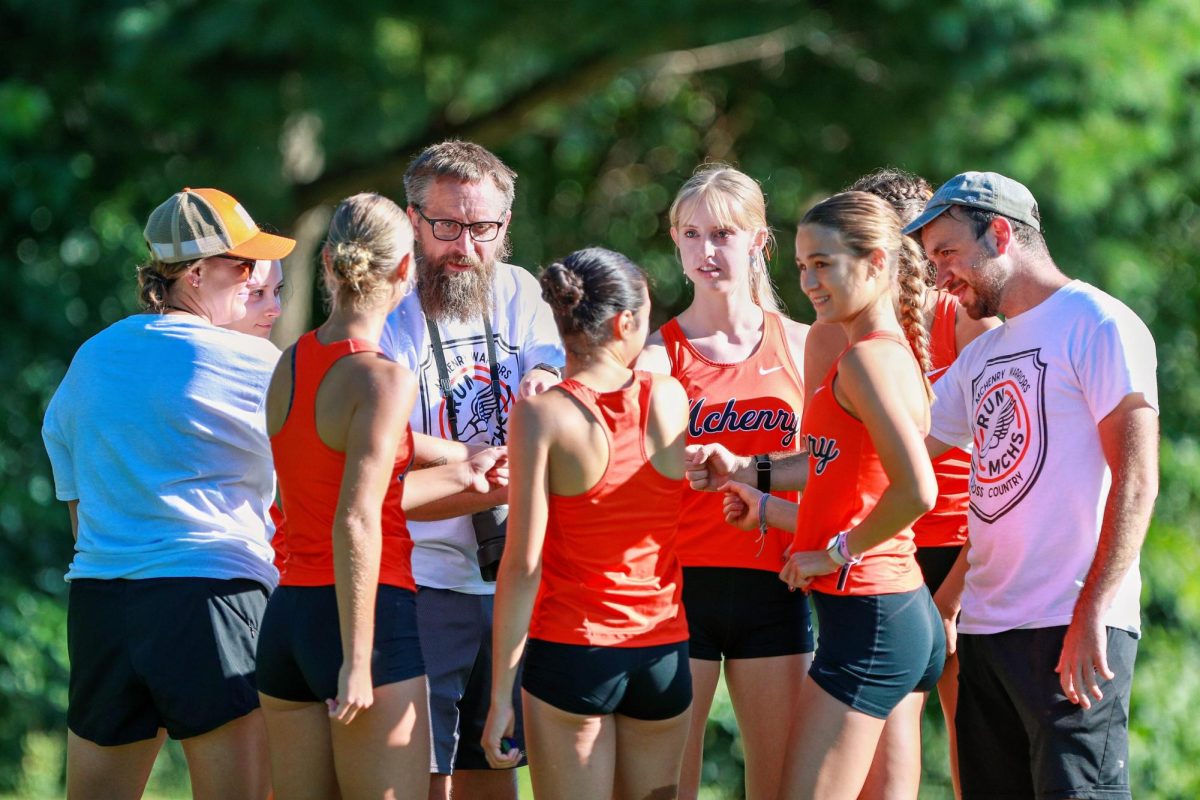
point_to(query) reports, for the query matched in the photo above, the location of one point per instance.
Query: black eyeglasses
(448, 230)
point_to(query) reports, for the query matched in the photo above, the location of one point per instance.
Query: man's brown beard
(463, 296)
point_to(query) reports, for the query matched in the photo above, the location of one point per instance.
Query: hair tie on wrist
(762, 524)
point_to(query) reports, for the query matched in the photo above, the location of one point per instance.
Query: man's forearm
(1127, 513)
(789, 471)
(430, 451)
(1129, 438)
(457, 505)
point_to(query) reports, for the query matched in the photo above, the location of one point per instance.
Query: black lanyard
(439, 356)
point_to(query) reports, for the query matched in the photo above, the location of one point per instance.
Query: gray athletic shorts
(456, 641)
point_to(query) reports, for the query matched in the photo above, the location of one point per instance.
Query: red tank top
(310, 478)
(279, 540)
(845, 481)
(610, 575)
(750, 407)
(946, 524)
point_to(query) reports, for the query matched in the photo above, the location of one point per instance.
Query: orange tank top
(946, 524)
(845, 481)
(310, 478)
(610, 575)
(279, 540)
(750, 407)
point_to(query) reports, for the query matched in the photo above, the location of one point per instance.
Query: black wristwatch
(553, 370)
(762, 467)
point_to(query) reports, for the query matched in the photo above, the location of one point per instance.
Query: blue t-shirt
(159, 431)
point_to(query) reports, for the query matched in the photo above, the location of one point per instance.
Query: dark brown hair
(586, 289)
(155, 279)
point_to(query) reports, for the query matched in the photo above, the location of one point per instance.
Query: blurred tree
(604, 110)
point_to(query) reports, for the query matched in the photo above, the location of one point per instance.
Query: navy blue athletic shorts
(647, 683)
(734, 612)
(456, 639)
(300, 648)
(1019, 736)
(174, 653)
(873, 650)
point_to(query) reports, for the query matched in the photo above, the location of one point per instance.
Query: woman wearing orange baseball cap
(159, 447)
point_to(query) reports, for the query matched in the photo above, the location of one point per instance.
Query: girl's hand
(709, 466)
(355, 694)
(800, 569)
(488, 470)
(741, 505)
(499, 725)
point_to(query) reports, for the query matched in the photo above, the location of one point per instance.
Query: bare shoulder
(825, 338)
(653, 357)
(666, 389)
(821, 348)
(874, 362)
(369, 380)
(877, 373)
(279, 392)
(381, 374)
(543, 411)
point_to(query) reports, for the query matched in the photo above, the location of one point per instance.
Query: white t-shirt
(444, 551)
(158, 430)
(1025, 399)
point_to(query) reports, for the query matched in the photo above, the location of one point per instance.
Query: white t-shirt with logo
(444, 550)
(1025, 399)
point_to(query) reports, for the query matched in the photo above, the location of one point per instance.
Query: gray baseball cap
(989, 191)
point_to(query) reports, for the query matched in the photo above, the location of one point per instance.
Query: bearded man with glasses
(478, 336)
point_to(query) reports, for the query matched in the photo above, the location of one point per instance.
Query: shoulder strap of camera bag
(444, 387)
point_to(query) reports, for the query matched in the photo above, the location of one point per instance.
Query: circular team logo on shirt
(475, 406)
(1009, 424)
(1001, 432)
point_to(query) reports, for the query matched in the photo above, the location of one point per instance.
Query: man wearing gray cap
(1059, 410)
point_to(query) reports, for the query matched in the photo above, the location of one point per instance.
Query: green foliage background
(604, 109)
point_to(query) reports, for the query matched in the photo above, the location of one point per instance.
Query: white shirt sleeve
(1118, 360)
(540, 343)
(950, 414)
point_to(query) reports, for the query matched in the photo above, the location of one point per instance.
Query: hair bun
(562, 289)
(351, 262)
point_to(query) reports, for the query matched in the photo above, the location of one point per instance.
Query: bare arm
(936, 447)
(948, 598)
(742, 504)
(429, 500)
(1129, 438)
(430, 451)
(520, 568)
(480, 474)
(653, 357)
(459, 504)
(373, 435)
(711, 466)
